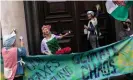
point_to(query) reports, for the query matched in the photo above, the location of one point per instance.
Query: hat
(46, 26)
(8, 40)
(90, 12)
(128, 20)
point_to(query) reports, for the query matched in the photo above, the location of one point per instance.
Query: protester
(49, 44)
(13, 69)
(125, 32)
(91, 30)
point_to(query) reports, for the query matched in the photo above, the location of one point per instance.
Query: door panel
(64, 16)
(103, 22)
(60, 15)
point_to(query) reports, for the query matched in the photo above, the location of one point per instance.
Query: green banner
(104, 62)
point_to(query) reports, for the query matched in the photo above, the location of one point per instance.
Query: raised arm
(21, 50)
(62, 36)
(98, 7)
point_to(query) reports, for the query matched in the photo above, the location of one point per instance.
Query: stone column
(13, 16)
(131, 15)
(0, 29)
(0, 37)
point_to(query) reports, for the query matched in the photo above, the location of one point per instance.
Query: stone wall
(13, 16)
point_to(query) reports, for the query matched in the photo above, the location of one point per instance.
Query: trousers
(93, 41)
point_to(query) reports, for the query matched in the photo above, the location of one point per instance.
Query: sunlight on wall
(12, 16)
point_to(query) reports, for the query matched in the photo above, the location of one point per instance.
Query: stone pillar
(13, 16)
(0, 37)
(0, 29)
(131, 15)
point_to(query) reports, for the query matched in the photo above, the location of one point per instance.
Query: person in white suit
(91, 30)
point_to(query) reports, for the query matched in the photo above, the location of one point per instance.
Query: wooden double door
(64, 16)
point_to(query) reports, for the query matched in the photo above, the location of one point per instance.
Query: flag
(118, 9)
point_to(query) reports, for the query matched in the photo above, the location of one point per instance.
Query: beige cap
(90, 12)
(128, 20)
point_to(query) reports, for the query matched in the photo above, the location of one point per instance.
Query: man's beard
(125, 26)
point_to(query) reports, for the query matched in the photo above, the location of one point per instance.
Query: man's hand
(62, 36)
(86, 27)
(98, 7)
(21, 41)
(67, 33)
(47, 53)
(14, 30)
